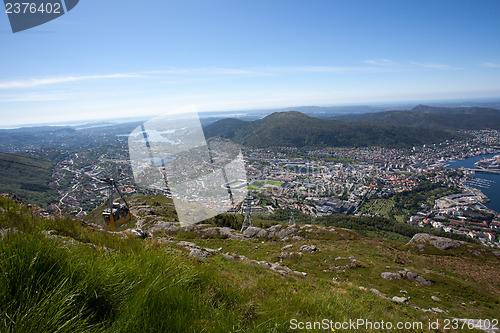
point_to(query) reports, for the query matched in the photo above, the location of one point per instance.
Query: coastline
(489, 164)
(489, 193)
(484, 197)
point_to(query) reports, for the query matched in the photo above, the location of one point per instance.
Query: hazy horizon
(389, 104)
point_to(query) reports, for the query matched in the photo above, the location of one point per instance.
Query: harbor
(488, 181)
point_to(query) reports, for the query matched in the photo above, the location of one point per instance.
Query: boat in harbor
(489, 164)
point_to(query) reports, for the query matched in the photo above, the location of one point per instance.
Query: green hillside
(28, 178)
(60, 275)
(438, 118)
(296, 129)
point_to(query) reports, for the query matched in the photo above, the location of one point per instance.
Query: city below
(319, 181)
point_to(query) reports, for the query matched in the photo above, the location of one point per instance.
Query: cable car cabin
(117, 216)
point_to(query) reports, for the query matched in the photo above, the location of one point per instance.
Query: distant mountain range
(336, 112)
(431, 117)
(293, 128)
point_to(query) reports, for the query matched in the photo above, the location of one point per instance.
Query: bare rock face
(167, 226)
(422, 281)
(400, 299)
(152, 224)
(309, 248)
(285, 255)
(251, 232)
(418, 279)
(285, 232)
(198, 253)
(391, 276)
(379, 293)
(229, 233)
(440, 243)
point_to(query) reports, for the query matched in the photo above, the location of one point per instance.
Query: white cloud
(36, 82)
(205, 71)
(37, 97)
(490, 65)
(379, 62)
(174, 75)
(264, 70)
(326, 69)
(430, 65)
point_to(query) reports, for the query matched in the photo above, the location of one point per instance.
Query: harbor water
(488, 183)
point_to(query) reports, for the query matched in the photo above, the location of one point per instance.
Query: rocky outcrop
(440, 243)
(203, 253)
(197, 251)
(283, 270)
(400, 299)
(379, 293)
(254, 232)
(282, 232)
(391, 276)
(353, 263)
(309, 248)
(418, 279)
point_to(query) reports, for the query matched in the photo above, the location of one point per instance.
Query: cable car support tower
(247, 222)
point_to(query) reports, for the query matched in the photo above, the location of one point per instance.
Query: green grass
(85, 280)
(378, 206)
(459, 277)
(46, 287)
(258, 184)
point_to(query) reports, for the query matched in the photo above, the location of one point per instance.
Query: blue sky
(112, 58)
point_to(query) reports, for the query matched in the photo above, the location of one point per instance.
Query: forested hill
(456, 110)
(297, 129)
(28, 178)
(442, 118)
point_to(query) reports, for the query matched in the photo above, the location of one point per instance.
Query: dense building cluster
(317, 181)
